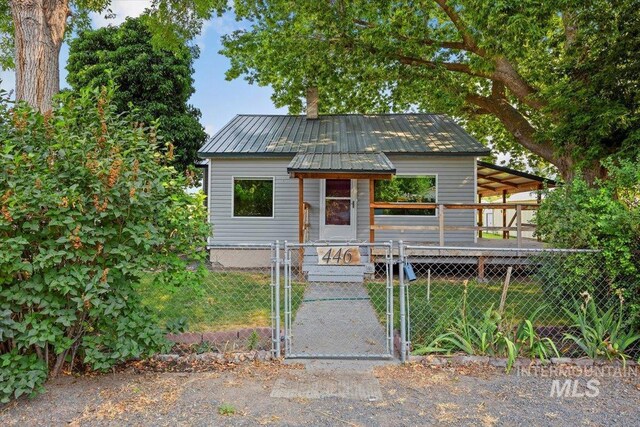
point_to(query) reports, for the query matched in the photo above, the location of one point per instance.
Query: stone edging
(213, 357)
(501, 362)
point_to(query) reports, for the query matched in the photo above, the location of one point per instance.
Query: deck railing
(442, 228)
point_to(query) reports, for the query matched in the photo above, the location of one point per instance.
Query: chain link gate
(338, 300)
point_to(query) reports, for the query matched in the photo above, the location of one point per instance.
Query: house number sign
(339, 255)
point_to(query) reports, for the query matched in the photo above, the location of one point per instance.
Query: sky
(218, 100)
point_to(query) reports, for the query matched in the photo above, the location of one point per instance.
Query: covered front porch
(337, 202)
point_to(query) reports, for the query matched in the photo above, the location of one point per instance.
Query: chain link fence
(372, 300)
(231, 310)
(443, 285)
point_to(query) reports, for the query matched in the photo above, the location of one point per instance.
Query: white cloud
(199, 40)
(122, 10)
(209, 129)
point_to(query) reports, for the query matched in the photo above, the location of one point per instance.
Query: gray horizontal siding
(284, 225)
(456, 184)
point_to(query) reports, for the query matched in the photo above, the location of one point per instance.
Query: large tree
(32, 33)
(156, 81)
(556, 80)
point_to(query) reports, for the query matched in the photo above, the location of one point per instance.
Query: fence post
(277, 297)
(403, 330)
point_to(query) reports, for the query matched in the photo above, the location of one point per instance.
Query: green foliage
(156, 82)
(226, 409)
(406, 190)
(602, 333)
(605, 217)
(87, 207)
(466, 58)
(253, 197)
(177, 325)
(474, 336)
(488, 334)
(530, 344)
(253, 341)
(20, 375)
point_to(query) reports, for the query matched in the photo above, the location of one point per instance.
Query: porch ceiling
(360, 164)
(494, 180)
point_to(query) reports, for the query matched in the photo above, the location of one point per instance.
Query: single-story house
(347, 177)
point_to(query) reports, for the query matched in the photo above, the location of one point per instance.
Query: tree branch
(515, 123)
(451, 66)
(456, 20)
(445, 44)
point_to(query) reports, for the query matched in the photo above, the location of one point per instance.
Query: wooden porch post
(539, 200)
(480, 216)
(300, 210)
(372, 232)
(519, 224)
(505, 233)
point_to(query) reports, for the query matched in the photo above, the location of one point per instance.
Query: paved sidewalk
(337, 319)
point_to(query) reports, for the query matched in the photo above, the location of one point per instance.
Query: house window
(253, 197)
(406, 189)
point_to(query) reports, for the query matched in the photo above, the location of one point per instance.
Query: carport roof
(494, 180)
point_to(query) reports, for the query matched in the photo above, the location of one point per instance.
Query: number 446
(338, 256)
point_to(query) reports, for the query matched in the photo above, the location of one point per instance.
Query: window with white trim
(252, 197)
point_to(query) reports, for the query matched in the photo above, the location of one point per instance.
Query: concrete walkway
(337, 319)
(320, 379)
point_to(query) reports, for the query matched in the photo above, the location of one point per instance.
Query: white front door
(338, 202)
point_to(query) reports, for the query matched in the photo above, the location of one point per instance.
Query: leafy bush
(489, 335)
(604, 217)
(601, 332)
(87, 207)
(530, 344)
(481, 336)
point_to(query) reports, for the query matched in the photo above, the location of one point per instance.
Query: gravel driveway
(406, 395)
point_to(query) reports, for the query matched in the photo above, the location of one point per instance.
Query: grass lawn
(431, 318)
(225, 301)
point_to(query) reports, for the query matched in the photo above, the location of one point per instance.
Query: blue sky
(218, 100)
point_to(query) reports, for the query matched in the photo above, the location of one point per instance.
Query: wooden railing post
(372, 219)
(480, 220)
(441, 223)
(519, 224)
(505, 233)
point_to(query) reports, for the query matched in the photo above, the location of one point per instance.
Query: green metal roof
(273, 135)
(347, 162)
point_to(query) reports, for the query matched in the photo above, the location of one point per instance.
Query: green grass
(225, 301)
(431, 318)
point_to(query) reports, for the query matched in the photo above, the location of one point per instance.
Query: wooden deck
(481, 248)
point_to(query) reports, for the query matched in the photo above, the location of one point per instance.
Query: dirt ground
(410, 395)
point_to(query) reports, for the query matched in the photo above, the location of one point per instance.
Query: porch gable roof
(362, 163)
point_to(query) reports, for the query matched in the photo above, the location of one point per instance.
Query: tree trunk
(39, 27)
